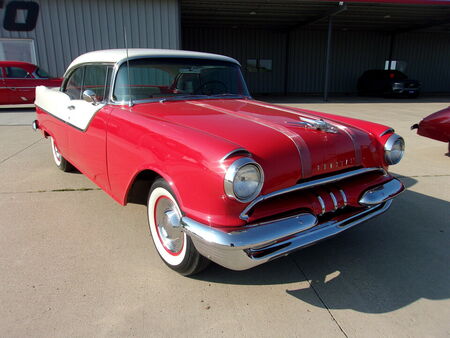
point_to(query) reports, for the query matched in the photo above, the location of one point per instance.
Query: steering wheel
(212, 87)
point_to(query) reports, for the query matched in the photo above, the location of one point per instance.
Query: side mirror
(89, 96)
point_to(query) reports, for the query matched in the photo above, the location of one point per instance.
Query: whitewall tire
(173, 245)
(60, 161)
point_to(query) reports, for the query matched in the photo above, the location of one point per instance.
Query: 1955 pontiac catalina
(226, 178)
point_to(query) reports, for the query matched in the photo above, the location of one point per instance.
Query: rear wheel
(60, 161)
(173, 245)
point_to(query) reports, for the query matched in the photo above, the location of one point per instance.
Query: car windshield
(42, 73)
(178, 79)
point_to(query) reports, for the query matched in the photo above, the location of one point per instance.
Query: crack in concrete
(18, 152)
(319, 296)
(52, 190)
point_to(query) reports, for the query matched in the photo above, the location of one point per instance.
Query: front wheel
(60, 161)
(173, 245)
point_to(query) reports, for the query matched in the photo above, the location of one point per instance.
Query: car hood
(289, 143)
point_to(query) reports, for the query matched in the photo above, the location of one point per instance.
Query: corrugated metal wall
(428, 59)
(427, 56)
(242, 45)
(68, 28)
(352, 54)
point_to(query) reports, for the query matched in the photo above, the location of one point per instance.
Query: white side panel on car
(80, 113)
(75, 112)
(52, 101)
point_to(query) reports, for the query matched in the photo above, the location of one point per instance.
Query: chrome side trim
(235, 151)
(254, 245)
(322, 205)
(387, 131)
(334, 201)
(344, 197)
(381, 193)
(330, 179)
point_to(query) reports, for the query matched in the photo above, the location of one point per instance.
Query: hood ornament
(315, 124)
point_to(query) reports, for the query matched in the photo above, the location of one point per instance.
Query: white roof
(118, 55)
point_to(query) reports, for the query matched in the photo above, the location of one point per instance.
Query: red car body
(18, 82)
(322, 173)
(435, 126)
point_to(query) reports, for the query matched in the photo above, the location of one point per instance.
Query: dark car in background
(387, 83)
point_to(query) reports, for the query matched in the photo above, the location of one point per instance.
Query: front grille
(321, 195)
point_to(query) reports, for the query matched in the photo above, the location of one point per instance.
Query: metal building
(284, 46)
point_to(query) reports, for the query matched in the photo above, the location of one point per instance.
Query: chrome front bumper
(253, 245)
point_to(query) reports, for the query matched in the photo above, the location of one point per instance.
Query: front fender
(189, 160)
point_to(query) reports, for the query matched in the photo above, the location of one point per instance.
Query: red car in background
(18, 81)
(436, 126)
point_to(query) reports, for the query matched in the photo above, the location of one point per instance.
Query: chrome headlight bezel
(231, 174)
(388, 147)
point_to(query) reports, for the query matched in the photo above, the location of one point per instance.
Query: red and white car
(436, 126)
(18, 82)
(226, 178)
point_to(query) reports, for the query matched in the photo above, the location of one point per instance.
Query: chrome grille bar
(310, 184)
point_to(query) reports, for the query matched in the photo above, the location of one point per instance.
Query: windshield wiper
(183, 97)
(199, 97)
(226, 95)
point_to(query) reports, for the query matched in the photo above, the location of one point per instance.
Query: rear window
(16, 72)
(42, 73)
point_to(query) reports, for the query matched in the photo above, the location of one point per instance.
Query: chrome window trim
(330, 179)
(70, 71)
(118, 64)
(231, 174)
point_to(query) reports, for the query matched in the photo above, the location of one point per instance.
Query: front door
(87, 122)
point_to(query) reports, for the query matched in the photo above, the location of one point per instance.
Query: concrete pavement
(75, 263)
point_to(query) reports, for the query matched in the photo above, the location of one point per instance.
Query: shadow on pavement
(377, 267)
(17, 110)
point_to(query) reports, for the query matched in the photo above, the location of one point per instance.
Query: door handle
(71, 107)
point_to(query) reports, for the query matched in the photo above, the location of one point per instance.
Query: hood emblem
(315, 124)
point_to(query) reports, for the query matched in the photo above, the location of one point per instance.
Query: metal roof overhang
(384, 16)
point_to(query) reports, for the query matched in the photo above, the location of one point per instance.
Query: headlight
(398, 85)
(244, 180)
(394, 149)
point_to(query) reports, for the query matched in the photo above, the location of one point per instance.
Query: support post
(328, 57)
(391, 50)
(286, 62)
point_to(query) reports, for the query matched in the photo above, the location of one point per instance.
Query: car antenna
(130, 103)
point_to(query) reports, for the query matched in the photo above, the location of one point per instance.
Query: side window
(16, 73)
(74, 84)
(97, 78)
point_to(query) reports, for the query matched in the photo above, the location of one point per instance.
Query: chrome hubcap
(167, 221)
(57, 154)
